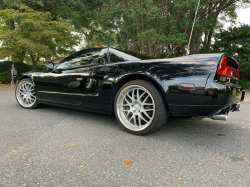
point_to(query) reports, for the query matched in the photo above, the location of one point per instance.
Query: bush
(5, 71)
(245, 83)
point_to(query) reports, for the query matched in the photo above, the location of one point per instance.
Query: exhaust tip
(222, 117)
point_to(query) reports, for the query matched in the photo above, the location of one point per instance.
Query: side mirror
(49, 66)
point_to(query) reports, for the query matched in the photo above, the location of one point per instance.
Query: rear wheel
(26, 94)
(140, 108)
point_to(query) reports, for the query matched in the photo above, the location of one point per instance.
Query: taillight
(226, 70)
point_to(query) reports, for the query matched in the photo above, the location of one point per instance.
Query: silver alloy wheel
(135, 107)
(26, 94)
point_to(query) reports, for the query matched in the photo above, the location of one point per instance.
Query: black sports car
(140, 90)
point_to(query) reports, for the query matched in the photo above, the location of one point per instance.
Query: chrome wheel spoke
(142, 95)
(148, 109)
(139, 120)
(32, 96)
(145, 113)
(145, 99)
(126, 100)
(145, 104)
(135, 107)
(129, 97)
(127, 114)
(124, 110)
(26, 94)
(134, 116)
(143, 118)
(131, 118)
(138, 94)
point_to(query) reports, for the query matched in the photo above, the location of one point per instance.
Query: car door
(73, 78)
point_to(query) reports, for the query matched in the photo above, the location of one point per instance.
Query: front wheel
(140, 108)
(26, 94)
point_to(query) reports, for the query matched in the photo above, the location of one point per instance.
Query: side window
(81, 58)
(103, 59)
(119, 56)
(115, 58)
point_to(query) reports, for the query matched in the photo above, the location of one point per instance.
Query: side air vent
(230, 62)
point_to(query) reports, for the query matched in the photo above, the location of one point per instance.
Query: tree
(80, 13)
(162, 27)
(33, 35)
(235, 42)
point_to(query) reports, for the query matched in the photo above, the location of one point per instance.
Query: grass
(245, 83)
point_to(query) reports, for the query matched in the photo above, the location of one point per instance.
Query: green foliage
(32, 34)
(142, 25)
(236, 43)
(80, 13)
(154, 27)
(5, 70)
(96, 35)
(245, 83)
(162, 28)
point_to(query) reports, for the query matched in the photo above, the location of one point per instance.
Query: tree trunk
(34, 62)
(2, 5)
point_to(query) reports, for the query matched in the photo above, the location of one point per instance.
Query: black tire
(160, 111)
(20, 101)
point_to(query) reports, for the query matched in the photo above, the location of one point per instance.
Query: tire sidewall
(36, 104)
(157, 115)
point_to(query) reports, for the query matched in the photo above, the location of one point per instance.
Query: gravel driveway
(53, 146)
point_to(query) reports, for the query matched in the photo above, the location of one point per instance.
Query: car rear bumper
(218, 97)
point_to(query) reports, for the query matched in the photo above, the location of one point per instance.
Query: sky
(243, 17)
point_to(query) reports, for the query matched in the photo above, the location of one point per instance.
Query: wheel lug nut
(134, 111)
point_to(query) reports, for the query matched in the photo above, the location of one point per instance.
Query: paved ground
(53, 146)
(247, 97)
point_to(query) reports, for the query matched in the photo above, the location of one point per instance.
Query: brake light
(226, 70)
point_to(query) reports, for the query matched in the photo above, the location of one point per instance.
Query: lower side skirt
(91, 106)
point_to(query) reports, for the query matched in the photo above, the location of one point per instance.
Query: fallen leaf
(172, 175)
(81, 166)
(224, 123)
(14, 151)
(73, 144)
(128, 162)
(23, 144)
(242, 155)
(174, 149)
(243, 127)
(121, 132)
(166, 143)
(180, 179)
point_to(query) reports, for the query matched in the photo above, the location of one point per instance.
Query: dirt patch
(6, 87)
